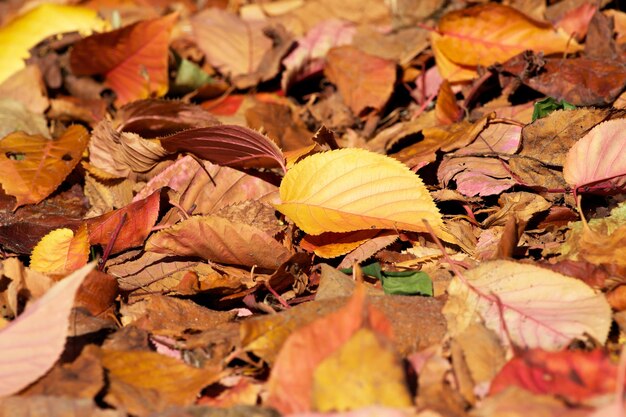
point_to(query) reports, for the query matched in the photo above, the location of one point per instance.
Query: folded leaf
(230, 145)
(354, 189)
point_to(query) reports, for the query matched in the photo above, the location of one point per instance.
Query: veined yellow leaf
(25, 31)
(354, 189)
(61, 251)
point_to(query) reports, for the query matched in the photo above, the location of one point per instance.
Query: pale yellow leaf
(541, 308)
(24, 32)
(362, 372)
(354, 189)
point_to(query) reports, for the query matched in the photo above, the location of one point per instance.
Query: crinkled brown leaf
(219, 240)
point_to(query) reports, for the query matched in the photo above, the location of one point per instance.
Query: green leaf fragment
(548, 105)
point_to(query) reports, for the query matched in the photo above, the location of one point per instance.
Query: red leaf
(229, 145)
(573, 375)
(133, 59)
(139, 217)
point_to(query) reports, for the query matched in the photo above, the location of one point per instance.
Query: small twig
(109, 247)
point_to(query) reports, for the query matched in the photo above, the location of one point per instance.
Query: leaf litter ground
(312, 208)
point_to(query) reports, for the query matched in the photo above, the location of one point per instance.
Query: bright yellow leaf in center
(354, 189)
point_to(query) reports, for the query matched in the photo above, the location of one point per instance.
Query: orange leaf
(291, 382)
(32, 167)
(364, 81)
(61, 251)
(129, 226)
(490, 33)
(133, 59)
(446, 109)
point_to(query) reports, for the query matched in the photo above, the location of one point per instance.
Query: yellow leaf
(61, 252)
(362, 373)
(25, 31)
(490, 33)
(354, 189)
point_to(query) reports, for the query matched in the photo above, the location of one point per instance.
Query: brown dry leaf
(521, 205)
(219, 240)
(549, 138)
(516, 402)
(151, 118)
(280, 124)
(580, 81)
(126, 227)
(232, 45)
(386, 138)
(168, 316)
(32, 167)
(120, 153)
(144, 382)
(27, 87)
(364, 81)
(400, 46)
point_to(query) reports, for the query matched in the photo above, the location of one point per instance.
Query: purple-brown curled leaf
(229, 145)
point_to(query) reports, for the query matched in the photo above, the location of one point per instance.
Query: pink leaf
(33, 342)
(599, 158)
(309, 57)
